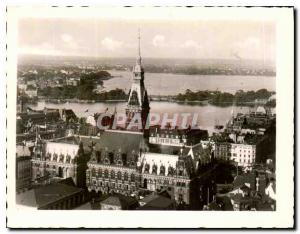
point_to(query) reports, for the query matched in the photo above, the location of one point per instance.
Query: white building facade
(243, 154)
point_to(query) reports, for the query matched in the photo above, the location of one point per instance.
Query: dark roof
(50, 116)
(68, 181)
(120, 200)
(53, 192)
(164, 149)
(47, 194)
(157, 202)
(69, 113)
(69, 140)
(245, 178)
(215, 206)
(226, 202)
(115, 140)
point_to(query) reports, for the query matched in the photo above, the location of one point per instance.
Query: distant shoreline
(203, 102)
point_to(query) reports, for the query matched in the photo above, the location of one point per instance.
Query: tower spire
(139, 58)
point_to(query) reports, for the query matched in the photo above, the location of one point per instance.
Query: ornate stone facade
(170, 172)
(113, 162)
(55, 159)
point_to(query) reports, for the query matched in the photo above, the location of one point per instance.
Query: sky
(163, 38)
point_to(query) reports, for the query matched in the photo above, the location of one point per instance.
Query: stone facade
(55, 159)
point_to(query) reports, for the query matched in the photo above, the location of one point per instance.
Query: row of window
(59, 158)
(112, 174)
(166, 136)
(242, 155)
(245, 161)
(167, 141)
(113, 185)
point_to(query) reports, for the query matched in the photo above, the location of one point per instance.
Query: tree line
(217, 97)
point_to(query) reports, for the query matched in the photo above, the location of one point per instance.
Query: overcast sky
(205, 39)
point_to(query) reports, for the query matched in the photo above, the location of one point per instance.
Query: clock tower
(138, 102)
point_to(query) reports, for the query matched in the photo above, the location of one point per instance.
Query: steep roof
(115, 140)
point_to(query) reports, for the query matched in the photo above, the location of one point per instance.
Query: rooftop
(47, 194)
(114, 141)
(156, 202)
(23, 151)
(124, 202)
(68, 140)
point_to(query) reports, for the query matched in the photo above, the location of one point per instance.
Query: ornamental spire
(139, 59)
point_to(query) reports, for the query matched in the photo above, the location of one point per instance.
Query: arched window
(99, 172)
(147, 168)
(106, 173)
(154, 169)
(106, 161)
(170, 171)
(126, 176)
(132, 177)
(93, 172)
(119, 175)
(162, 170)
(112, 174)
(111, 157)
(48, 157)
(55, 157)
(120, 162)
(68, 159)
(180, 171)
(61, 158)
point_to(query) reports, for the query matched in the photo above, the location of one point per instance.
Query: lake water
(208, 115)
(172, 84)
